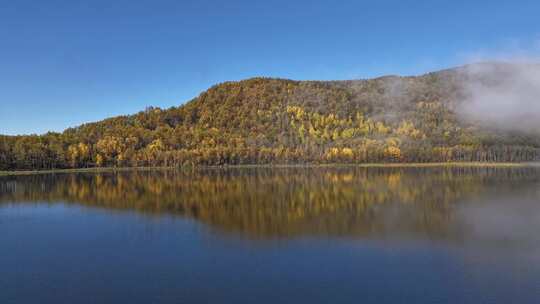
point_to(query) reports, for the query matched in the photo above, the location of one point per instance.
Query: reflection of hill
(285, 202)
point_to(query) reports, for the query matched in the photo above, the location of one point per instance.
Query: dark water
(325, 235)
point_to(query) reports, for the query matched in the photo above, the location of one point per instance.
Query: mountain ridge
(383, 77)
(275, 120)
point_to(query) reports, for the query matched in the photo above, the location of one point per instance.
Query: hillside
(278, 121)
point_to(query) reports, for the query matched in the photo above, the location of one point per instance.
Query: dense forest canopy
(279, 121)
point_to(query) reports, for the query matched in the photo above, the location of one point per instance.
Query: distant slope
(260, 120)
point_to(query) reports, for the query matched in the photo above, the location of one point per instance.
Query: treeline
(274, 121)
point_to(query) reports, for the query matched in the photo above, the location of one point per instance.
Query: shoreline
(337, 165)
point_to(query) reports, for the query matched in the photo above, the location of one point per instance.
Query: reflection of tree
(282, 202)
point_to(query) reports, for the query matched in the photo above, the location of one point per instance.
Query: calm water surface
(291, 235)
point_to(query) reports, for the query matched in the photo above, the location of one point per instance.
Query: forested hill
(278, 121)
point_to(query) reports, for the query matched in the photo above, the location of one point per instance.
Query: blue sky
(63, 63)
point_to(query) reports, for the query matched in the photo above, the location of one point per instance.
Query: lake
(281, 235)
